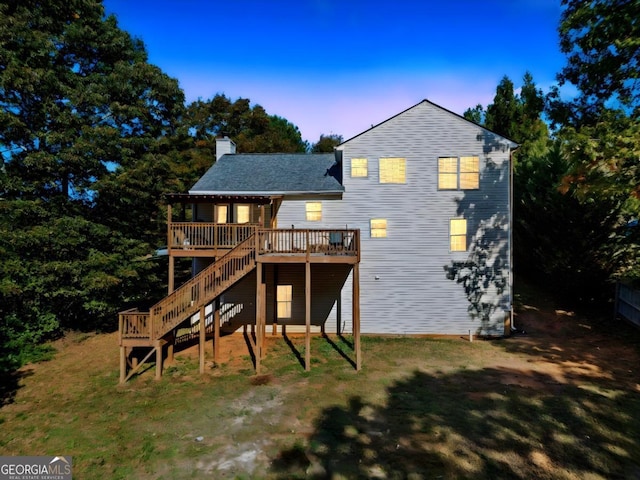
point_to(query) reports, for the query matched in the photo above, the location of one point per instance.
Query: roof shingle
(276, 173)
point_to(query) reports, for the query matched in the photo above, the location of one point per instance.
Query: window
(448, 173)
(393, 170)
(359, 167)
(284, 297)
(469, 173)
(221, 213)
(314, 211)
(378, 228)
(458, 235)
(243, 213)
(458, 173)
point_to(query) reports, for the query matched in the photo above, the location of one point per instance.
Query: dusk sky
(340, 66)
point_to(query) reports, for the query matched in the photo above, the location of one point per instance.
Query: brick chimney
(224, 145)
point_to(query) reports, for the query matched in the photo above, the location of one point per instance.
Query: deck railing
(204, 287)
(134, 324)
(309, 241)
(205, 236)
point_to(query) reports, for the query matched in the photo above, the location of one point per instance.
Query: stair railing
(187, 300)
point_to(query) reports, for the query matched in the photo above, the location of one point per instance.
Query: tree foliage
(326, 143)
(250, 127)
(602, 41)
(83, 118)
(599, 128)
(91, 136)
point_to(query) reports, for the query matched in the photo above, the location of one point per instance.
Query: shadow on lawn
(576, 419)
(10, 384)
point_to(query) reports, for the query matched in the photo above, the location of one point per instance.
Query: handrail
(207, 235)
(309, 241)
(133, 324)
(187, 299)
(202, 288)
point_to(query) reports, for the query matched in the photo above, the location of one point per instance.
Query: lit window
(378, 228)
(458, 173)
(359, 167)
(469, 173)
(243, 213)
(393, 170)
(221, 213)
(284, 297)
(458, 235)
(314, 211)
(448, 173)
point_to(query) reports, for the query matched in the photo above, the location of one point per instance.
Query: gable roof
(271, 174)
(511, 143)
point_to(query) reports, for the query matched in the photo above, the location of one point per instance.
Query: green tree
(83, 125)
(601, 39)
(251, 128)
(599, 128)
(326, 143)
(475, 114)
(503, 115)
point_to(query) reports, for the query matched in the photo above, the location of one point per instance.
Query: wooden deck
(245, 247)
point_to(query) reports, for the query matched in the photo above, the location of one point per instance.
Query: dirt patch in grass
(559, 401)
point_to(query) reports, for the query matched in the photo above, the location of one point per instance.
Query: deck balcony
(196, 239)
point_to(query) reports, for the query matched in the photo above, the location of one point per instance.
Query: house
(404, 229)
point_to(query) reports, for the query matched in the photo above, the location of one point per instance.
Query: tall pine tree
(83, 121)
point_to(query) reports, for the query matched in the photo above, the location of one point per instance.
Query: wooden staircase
(148, 329)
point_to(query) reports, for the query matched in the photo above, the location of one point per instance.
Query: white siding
(404, 285)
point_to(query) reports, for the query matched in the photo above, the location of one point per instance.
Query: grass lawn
(560, 402)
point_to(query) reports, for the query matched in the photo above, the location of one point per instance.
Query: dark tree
(83, 125)
(326, 143)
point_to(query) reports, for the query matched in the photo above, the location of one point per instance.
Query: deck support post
(123, 363)
(216, 331)
(171, 346)
(259, 309)
(171, 273)
(274, 325)
(263, 320)
(307, 316)
(202, 338)
(158, 347)
(356, 314)
(339, 313)
(171, 258)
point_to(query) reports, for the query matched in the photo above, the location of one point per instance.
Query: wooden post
(202, 339)
(274, 325)
(171, 266)
(356, 314)
(263, 319)
(258, 328)
(123, 363)
(339, 313)
(307, 299)
(171, 346)
(216, 331)
(171, 273)
(158, 359)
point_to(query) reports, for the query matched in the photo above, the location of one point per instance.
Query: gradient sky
(340, 66)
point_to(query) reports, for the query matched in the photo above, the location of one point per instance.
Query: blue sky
(340, 66)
